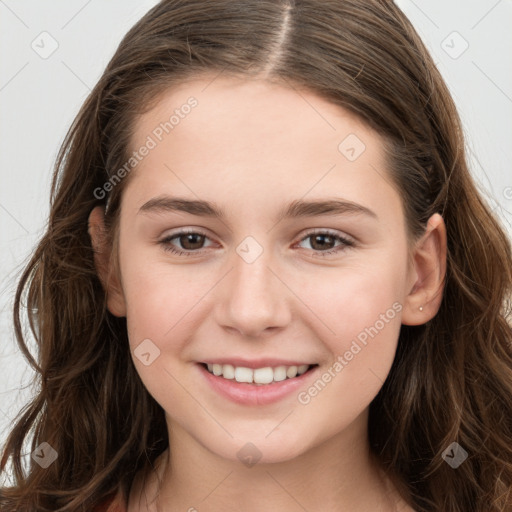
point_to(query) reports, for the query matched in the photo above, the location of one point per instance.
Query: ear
(106, 272)
(427, 271)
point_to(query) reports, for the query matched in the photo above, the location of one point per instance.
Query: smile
(258, 386)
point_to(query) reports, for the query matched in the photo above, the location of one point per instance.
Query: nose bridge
(255, 299)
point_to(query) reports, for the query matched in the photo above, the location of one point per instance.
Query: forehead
(250, 114)
(213, 135)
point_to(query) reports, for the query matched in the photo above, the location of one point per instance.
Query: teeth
(280, 373)
(291, 372)
(243, 374)
(265, 375)
(302, 368)
(228, 371)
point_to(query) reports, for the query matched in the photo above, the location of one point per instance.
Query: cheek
(161, 301)
(345, 387)
(364, 311)
(163, 304)
(353, 298)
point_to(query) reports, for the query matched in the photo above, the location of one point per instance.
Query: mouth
(264, 376)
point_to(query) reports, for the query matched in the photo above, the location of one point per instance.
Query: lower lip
(251, 394)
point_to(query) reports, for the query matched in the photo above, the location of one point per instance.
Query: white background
(40, 97)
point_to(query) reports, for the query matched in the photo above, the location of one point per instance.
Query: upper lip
(256, 363)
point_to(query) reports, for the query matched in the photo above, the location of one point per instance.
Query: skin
(253, 147)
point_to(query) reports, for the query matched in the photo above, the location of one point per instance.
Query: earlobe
(106, 273)
(429, 271)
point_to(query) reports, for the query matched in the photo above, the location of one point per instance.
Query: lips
(254, 394)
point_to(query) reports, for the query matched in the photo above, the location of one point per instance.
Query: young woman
(268, 280)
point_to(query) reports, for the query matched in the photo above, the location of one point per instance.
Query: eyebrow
(296, 209)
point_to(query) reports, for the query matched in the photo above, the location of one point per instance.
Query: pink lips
(251, 394)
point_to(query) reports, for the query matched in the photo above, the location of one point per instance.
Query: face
(260, 277)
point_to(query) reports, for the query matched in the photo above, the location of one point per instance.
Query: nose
(253, 300)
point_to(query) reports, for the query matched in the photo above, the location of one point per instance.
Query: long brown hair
(451, 380)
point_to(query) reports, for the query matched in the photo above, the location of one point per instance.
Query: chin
(251, 450)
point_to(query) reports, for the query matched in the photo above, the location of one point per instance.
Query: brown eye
(191, 241)
(187, 243)
(324, 242)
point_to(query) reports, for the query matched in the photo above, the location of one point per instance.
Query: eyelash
(346, 243)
